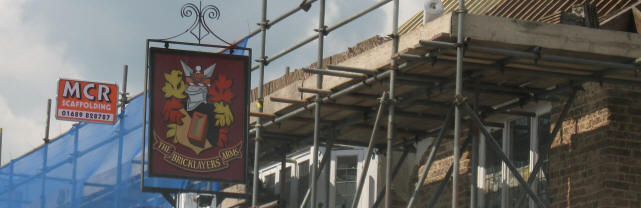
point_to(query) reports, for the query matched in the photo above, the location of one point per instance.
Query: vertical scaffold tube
(46, 139)
(11, 194)
(475, 150)
(391, 110)
(370, 150)
(325, 165)
(45, 146)
(74, 174)
(43, 197)
(121, 130)
(457, 113)
(261, 75)
(319, 85)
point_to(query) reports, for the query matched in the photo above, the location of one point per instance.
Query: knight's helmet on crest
(198, 82)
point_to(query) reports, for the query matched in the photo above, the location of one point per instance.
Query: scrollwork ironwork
(200, 28)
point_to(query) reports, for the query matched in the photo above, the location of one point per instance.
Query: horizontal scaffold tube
(335, 73)
(328, 30)
(332, 96)
(533, 55)
(277, 19)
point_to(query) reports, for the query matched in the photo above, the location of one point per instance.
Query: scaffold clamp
(264, 25)
(322, 30)
(263, 61)
(460, 10)
(459, 100)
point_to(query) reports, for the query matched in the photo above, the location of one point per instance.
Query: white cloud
(29, 70)
(17, 138)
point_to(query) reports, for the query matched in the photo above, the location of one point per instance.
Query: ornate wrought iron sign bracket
(200, 27)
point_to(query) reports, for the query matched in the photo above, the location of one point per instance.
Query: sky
(42, 41)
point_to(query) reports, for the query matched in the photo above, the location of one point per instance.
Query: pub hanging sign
(198, 121)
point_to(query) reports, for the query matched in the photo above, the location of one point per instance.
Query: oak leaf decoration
(221, 90)
(174, 85)
(171, 111)
(224, 116)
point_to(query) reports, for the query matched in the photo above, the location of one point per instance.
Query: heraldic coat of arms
(197, 118)
(198, 108)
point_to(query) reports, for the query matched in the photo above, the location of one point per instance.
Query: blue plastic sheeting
(92, 165)
(242, 44)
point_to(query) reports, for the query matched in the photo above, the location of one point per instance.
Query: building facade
(336, 189)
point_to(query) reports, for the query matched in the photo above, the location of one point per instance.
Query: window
(519, 140)
(345, 180)
(270, 181)
(493, 175)
(543, 131)
(519, 154)
(288, 183)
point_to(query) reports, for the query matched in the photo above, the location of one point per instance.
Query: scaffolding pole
(11, 185)
(430, 158)
(303, 6)
(319, 85)
(324, 163)
(327, 31)
(74, 174)
(43, 197)
(548, 142)
(328, 153)
(394, 173)
(330, 97)
(459, 92)
(446, 179)
(533, 55)
(46, 139)
(261, 76)
(121, 128)
(475, 148)
(44, 156)
(391, 108)
(496, 148)
(370, 150)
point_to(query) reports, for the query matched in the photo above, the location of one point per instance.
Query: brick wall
(437, 173)
(596, 159)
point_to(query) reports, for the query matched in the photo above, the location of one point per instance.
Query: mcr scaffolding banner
(86, 101)
(199, 115)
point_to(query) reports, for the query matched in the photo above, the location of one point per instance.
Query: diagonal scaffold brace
(447, 177)
(547, 143)
(323, 163)
(489, 139)
(400, 161)
(430, 158)
(370, 150)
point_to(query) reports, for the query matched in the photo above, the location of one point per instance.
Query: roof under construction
(548, 11)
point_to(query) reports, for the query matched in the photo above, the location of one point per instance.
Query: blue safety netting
(92, 165)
